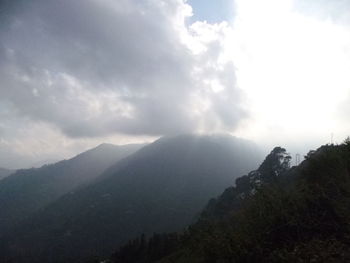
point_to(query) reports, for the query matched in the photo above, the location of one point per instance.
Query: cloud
(96, 68)
(25, 144)
(76, 73)
(293, 66)
(337, 11)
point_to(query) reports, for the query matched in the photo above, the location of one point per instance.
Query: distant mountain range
(5, 172)
(28, 190)
(160, 188)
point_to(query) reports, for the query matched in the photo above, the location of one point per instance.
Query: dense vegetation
(274, 214)
(160, 188)
(140, 250)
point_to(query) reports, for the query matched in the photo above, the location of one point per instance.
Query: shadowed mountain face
(277, 163)
(276, 213)
(160, 188)
(28, 190)
(5, 172)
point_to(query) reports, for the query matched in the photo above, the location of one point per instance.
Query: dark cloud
(94, 68)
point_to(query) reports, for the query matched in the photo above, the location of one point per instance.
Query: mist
(75, 75)
(146, 131)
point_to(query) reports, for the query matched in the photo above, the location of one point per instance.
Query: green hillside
(273, 214)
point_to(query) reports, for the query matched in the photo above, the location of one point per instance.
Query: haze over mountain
(5, 172)
(136, 70)
(76, 73)
(276, 213)
(160, 188)
(28, 190)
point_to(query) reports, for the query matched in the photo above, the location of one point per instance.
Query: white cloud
(294, 70)
(92, 69)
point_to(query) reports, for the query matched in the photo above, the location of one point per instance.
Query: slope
(28, 190)
(160, 188)
(298, 215)
(5, 172)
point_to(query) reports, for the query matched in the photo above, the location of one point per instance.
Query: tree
(276, 163)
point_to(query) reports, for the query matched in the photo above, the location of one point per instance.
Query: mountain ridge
(276, 213)
(28, 190)
(4, 172)
(167, 182)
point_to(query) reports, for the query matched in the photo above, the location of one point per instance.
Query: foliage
(142, 251)
(275, 164)
(307, 221)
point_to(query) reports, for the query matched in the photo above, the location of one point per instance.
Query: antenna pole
(332, 138)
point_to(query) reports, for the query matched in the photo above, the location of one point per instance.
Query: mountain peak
(167, 182)
(105, 145)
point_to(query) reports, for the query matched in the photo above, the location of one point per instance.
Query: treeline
(145, 251)
(273, 214)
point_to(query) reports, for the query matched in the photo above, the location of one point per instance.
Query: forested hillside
(273, 214)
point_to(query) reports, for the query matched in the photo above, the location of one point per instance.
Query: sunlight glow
(294, 69)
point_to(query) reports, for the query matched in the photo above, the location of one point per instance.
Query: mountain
(217, 210)
(27, 190)
(5, 172)
(275, 166)
(272, 214)
(160, 188)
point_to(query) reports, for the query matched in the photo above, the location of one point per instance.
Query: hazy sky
(78, 73)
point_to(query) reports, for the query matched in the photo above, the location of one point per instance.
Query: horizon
(273, 72)
(263, 151)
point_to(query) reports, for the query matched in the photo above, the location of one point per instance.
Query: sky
(78, 73)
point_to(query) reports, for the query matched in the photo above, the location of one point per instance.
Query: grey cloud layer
(93, 68)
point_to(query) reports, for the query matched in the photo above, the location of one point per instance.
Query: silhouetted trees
(144, 251)
(305, 221)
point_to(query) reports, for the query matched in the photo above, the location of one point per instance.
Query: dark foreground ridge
(273, 214)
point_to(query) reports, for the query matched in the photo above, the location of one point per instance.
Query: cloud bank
(77, 73)
(95, 68)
